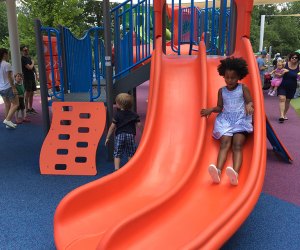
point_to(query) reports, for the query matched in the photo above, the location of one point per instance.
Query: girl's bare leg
(237, 150)
(7, 105)
(225, 143)
(14, 104)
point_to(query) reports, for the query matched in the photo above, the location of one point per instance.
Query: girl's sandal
(214, 173)
(232, 175)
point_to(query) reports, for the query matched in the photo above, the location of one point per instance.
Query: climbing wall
(71, 143)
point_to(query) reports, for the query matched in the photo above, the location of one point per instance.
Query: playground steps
(71, 144)
(135, 78)
(83, 96)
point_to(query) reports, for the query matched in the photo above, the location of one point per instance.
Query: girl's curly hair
(239, 65)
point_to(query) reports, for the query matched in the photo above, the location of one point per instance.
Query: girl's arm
(248, 100)
(282, 72)
(217, 109)
(11, 82)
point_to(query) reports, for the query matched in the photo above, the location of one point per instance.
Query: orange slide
(164, 197)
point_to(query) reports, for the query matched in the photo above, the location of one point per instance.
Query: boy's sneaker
(31, 111)
(273, 93)
(232, 175)
(214, 173)
(9, 124)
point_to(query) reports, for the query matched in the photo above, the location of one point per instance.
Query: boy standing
(124, 126)
(21, 108)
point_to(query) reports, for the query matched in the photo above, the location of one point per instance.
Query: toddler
(20, 113)
(277, 79)
(124, 126)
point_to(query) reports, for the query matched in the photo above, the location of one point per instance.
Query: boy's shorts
(124, 145)
(8, 93)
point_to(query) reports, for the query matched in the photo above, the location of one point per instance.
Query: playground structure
(71, 144)
(164, 197)
(166, 182)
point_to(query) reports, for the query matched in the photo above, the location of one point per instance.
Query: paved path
(282, 179)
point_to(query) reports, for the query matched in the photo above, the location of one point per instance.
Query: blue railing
(133, 34)
(83, 61)
(211, 21)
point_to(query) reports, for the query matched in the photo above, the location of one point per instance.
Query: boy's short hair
(124, 100)
(18, 74)
(22, 47)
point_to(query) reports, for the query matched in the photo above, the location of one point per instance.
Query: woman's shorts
(124, 145)
(287, 92)
(8, 93)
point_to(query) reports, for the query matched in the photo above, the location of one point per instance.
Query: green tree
(281, 32)
(51, 13)
(77, 15)
(3, 26)
(92, 13)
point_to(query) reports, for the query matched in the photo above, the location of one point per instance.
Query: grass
(296, 105)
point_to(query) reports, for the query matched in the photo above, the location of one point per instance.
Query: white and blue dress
(233, 118)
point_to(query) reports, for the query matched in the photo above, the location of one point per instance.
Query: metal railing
(189, 23)
(132, 34)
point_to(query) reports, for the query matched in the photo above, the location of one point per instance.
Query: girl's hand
(206, 112)
(249, 109)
